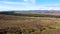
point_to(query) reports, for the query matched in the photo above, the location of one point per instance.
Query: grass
(27, 25)
(11, 23)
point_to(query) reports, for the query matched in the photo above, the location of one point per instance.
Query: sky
(29, 5)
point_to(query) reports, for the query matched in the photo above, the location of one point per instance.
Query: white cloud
(30, 1)
(31, 7)
(25, 0)
(8, 2)
(28, 6)
(33, 1)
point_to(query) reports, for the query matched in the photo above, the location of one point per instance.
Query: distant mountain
(47, 12)
(34, 11)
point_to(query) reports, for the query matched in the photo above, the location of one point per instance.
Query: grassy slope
(28, 25)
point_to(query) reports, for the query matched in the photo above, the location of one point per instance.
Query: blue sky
(29, 4)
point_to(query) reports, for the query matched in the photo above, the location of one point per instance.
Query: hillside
(46, 12)
(30, 22)
(30, 25)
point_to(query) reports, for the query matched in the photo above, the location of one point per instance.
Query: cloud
(31, 7)
(30, 1)
(25, 2)
(3, 8)
(8, 2)
(44, 7)
(33, 1)
(49, 7)
(26, 5)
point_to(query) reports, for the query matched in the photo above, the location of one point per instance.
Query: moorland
(29, 22)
